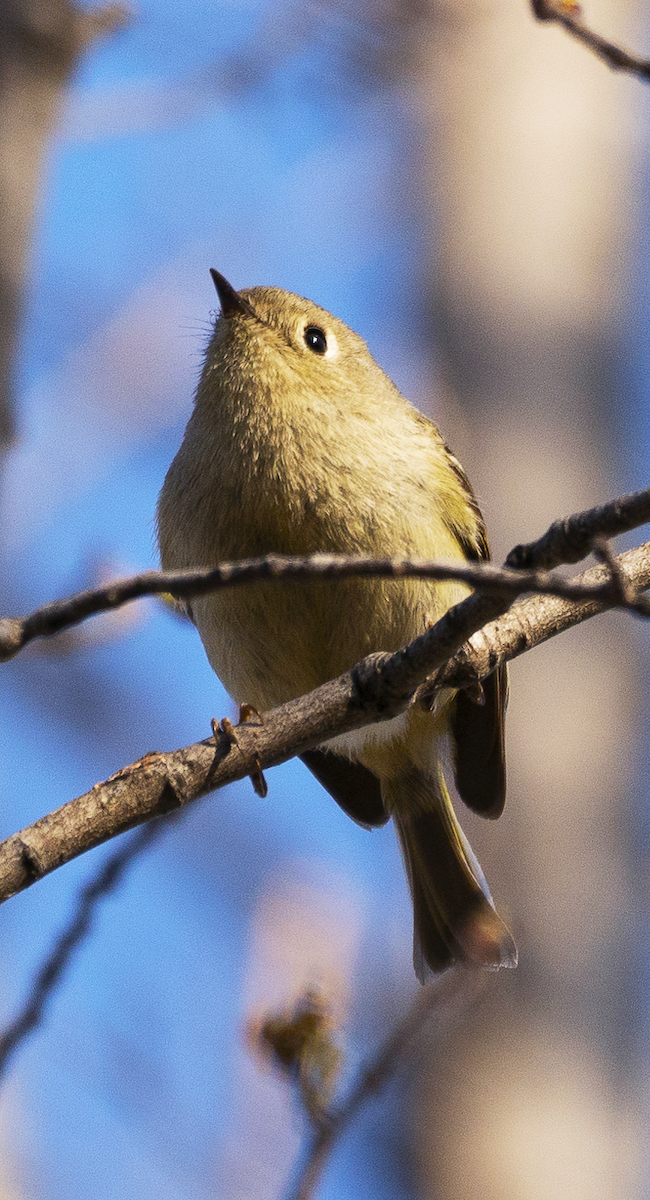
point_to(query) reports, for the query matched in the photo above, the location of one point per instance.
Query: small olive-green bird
(299, 443)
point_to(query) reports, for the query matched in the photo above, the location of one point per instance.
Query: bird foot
(246, 711)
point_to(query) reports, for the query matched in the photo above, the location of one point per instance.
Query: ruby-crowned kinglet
(299, 443)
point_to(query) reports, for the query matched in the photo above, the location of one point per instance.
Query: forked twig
(162, 783)
(443, 999)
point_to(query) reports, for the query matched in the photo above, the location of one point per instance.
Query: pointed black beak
(231, 301)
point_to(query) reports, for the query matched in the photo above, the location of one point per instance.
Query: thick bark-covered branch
(375, 689)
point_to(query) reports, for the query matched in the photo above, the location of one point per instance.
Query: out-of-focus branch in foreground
(568, 13)
(58, 960)
(444, 999)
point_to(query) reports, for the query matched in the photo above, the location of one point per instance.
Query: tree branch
(572, 538)
(377, 688)
(529, 623)
(568, 13)
(522, 628)
(566, 541)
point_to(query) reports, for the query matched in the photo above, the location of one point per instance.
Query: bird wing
(478, 729)
(353, 786)
(478, 732)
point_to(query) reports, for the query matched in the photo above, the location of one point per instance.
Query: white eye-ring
(318, 341)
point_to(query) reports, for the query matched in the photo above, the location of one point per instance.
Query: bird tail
(454, 918)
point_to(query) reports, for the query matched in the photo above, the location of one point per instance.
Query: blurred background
(468, 190)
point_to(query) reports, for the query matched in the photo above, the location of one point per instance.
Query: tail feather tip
(485, 941)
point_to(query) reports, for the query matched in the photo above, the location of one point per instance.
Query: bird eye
(315, 339)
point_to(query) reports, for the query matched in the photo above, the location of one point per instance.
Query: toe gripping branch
(225, 726)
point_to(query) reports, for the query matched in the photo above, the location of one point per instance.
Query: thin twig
(50, 974)
(572, 538)
(441, 999)
(603, 551)
(565, 541)
(528, 623)
(568, 13)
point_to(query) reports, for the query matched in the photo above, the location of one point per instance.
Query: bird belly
(272, 642)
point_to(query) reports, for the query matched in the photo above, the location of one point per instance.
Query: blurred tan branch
(568, 13)
(567, 541)
(376, 689)
(41, 42)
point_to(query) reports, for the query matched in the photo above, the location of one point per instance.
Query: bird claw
(246, 711)
(225, 726)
